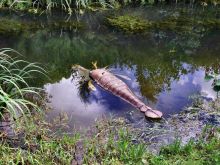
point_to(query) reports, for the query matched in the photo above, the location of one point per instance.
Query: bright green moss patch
(129, 24)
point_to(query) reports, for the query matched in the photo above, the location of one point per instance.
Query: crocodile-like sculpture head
(97, 73)
(80, 72)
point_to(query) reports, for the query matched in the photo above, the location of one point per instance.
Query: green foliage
(113, 143)
(201, 152)
(118, 149)
(17, 4)
(39, 145)
(14, 88)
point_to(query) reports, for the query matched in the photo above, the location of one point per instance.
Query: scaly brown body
(117, 87)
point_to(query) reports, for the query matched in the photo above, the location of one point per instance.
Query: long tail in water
(117, 87)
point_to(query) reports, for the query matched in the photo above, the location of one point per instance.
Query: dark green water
(167, 65)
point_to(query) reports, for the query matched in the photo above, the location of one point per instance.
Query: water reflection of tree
(156, 67)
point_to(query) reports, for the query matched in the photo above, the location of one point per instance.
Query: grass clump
(36, 144)
(113, 144)
(204, 151)
(14, 88)
(129, 24)
(43, 145)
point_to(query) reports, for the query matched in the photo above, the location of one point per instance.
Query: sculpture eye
(103, 73)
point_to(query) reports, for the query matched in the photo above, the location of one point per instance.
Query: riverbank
(118, 141)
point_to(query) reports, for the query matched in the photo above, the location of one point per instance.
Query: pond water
(166, 65)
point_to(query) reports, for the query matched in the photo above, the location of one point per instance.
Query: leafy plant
(14, 88)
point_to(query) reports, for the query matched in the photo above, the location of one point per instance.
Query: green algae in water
(129, 24)
(14, 27)
(10, 26)
(181, 23)
(211, 23)
(186, 24)
(66, 25)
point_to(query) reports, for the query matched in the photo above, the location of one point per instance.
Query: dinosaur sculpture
(117, 87)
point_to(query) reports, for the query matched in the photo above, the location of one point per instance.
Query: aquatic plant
(14, 88)
(129, 24)
(14, 27)
(8, 26)
(65, 25)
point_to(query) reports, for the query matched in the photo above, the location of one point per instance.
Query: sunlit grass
(14, 89)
